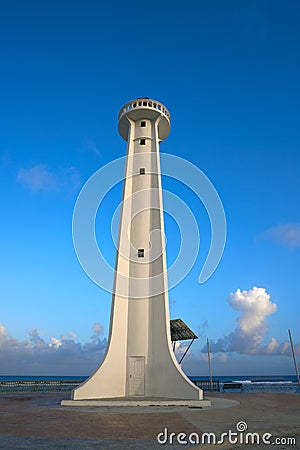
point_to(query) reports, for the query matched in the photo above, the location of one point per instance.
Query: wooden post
(209, 366)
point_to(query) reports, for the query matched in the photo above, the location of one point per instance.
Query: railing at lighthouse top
(141, 103)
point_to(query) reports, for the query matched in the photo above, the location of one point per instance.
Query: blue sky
(229, 74)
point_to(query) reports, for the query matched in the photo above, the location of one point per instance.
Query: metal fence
(38, 385)
(207, 385)
(68, 385)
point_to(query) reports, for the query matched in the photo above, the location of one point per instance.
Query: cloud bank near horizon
(65, 356)
(61, 356)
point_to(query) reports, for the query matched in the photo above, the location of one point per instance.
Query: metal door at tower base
(136, 380)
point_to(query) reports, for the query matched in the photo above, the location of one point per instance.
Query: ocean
(278, 383)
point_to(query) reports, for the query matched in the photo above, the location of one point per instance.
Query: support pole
(186, 351)
(294, 357)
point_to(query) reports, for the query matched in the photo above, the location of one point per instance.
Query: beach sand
(35, 420)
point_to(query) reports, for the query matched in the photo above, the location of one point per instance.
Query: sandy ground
(38, 421)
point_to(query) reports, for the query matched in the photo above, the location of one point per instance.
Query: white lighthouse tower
(140, 362)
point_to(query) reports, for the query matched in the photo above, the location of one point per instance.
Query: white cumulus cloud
(54, 342)
(254, 306)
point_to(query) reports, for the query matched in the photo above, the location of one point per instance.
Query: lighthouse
(139, 361)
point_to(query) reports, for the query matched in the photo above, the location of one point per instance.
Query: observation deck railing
(142, 103)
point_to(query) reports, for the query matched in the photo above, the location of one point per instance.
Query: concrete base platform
(144, 401)
(35, 420)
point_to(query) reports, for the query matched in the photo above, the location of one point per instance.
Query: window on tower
(143, 124)
(142, 141)
(141, 253)
(142, 171)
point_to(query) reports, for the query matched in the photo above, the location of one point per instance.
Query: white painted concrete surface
(140, 361)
